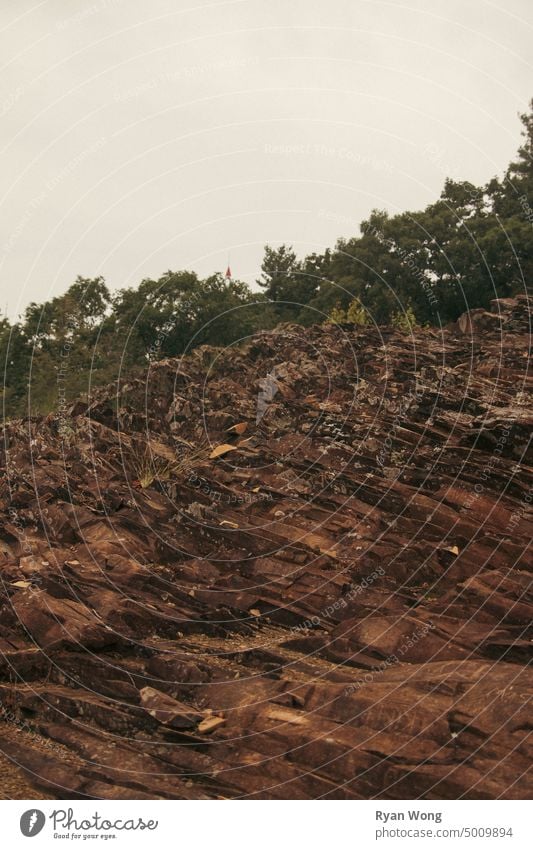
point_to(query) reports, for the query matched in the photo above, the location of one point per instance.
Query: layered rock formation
(297, 568)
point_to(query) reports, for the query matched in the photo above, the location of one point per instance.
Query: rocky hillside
(297, 568)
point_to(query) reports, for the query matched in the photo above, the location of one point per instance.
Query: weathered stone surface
(340, 606)
(169, 711)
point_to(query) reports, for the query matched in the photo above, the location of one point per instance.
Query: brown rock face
(294, 569)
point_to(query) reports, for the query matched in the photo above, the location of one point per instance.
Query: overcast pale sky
(138, 137)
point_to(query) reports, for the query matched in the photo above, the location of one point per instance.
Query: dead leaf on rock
(238, 428)
(220, 450)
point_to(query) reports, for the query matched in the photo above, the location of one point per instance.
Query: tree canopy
(473, 244)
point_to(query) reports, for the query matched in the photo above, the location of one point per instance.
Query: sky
(140, 137)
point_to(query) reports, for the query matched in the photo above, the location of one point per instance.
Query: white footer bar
(267, 824)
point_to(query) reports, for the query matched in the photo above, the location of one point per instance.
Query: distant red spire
(228, 273)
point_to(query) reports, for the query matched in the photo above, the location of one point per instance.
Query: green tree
(404, 320)
(289, 283)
